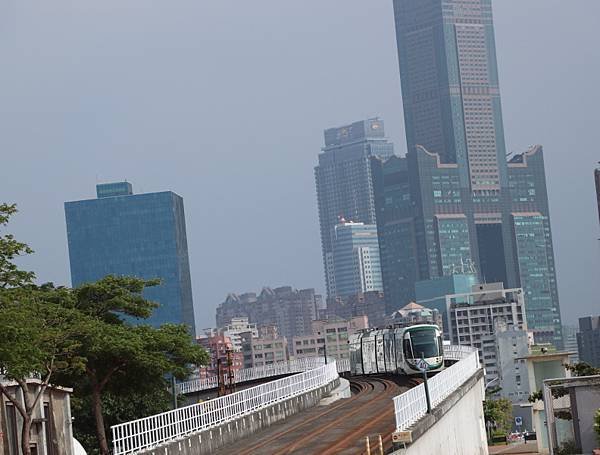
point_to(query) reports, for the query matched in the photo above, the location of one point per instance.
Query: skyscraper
(356, 259)
(454, 199)
(588, 340)
(141, 235)
(344, 181)
(597, 178)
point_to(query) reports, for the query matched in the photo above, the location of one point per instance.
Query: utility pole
(230, 377)
(423, 367)
(220, 378)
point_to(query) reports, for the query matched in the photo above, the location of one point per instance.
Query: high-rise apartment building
(139, 235)
(455, 203)
(474, 315)
(493, 320)
(292, 311)
(588, 340)
(370, 304)
(344, 181)
(356, 265)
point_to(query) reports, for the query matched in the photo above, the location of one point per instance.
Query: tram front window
(424, 343)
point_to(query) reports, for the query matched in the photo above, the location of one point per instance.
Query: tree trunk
(26, 436)
(99, 419)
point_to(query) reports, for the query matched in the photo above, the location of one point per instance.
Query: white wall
(461, 431)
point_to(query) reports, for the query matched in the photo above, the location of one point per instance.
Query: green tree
(35, 339)
(10, 275)
(124, 360)
(115, 409)
(38, 340)
(499, 412)
(582, 369)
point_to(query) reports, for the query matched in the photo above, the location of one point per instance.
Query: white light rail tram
(396, 350)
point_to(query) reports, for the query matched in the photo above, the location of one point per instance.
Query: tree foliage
(38, 340)
(583, 369)
(499, 412)
(124, 360)
(10, 275)
(117, 408)
(83, 338)
(597, 424)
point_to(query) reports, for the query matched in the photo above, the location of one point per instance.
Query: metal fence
(251, 374)
(412, 405)
(132, 437)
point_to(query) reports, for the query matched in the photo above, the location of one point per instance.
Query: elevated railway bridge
(283, 415)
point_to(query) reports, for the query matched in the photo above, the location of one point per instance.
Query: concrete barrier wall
(206, 442)
(456, 426)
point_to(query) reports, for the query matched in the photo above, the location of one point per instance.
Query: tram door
(380, 355)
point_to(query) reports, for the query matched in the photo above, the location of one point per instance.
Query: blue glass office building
(141, 235)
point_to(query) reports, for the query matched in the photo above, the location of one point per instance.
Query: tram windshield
(424, 343)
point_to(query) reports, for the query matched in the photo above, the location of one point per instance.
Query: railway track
(339, 428)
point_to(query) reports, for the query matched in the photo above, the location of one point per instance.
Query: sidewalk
(529, 447)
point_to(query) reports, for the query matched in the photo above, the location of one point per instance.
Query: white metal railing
(251, 374)
(412, 405)
(149, 432)
(457, 352)
(343, 365)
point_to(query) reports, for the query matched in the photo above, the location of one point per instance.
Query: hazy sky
(224, 102)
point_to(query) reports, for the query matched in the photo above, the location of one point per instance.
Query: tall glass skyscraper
(344, 181)
(356, 259)
(140, 235)
(454, 199)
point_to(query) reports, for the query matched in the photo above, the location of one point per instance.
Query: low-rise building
(413, 314)
(232, 330)
(544, 362)
(222, 354)
(570, 406)
(51, 432)
(329, 337)
(265, 349)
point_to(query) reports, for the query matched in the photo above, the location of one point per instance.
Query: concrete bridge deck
(339, 428)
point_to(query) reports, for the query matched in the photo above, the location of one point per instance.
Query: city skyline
(458, 197)
(70, 181)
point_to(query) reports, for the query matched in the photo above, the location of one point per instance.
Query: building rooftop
(358, 131)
